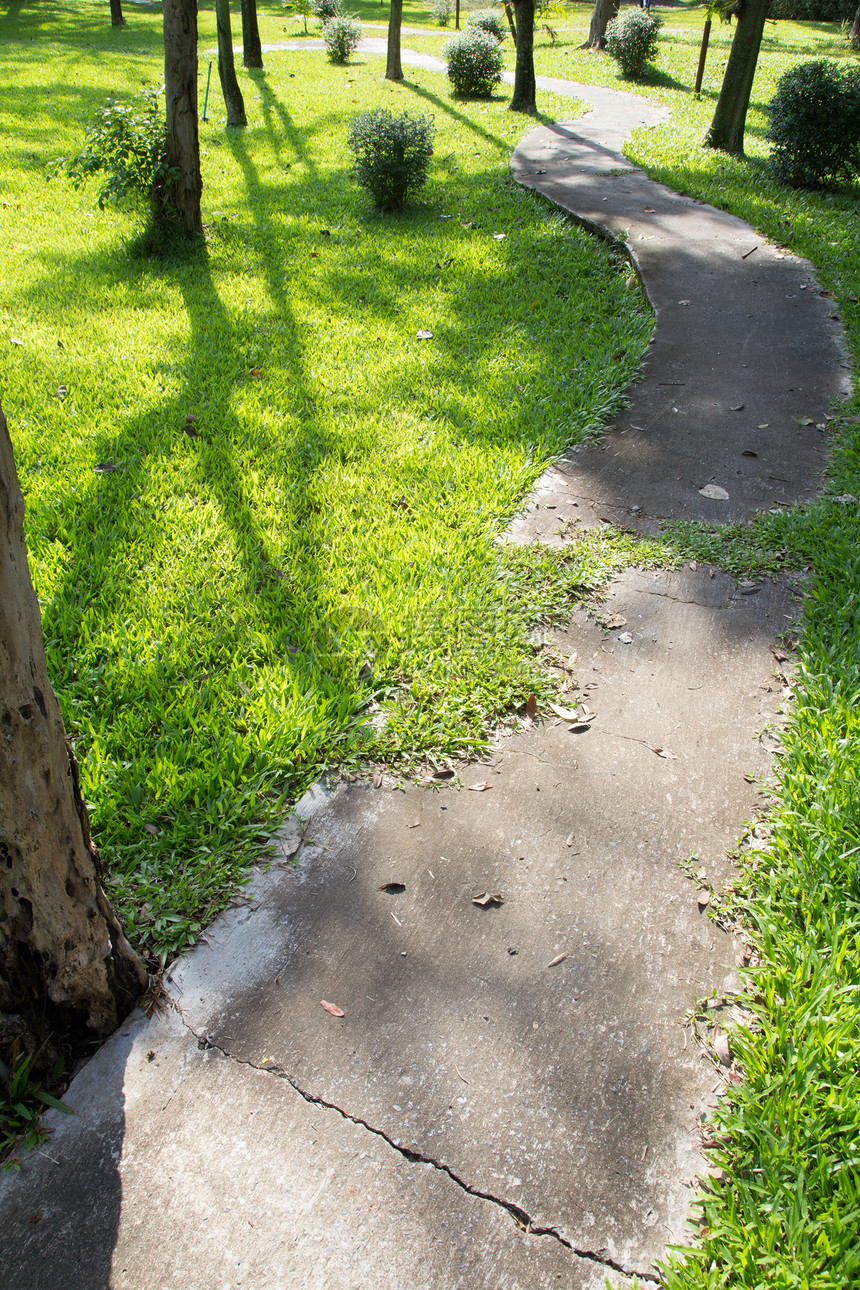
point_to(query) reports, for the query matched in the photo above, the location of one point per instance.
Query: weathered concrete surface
(572, 1091)
(746, 346)
(184, 1170)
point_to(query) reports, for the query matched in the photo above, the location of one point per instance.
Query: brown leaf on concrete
(488, 898)
(392, 888)
(703, 897)
(532, 707)
(559, 958)
(478, 788)
(721, 1047)
(664, 752)
(614, 620)
(332, 1008)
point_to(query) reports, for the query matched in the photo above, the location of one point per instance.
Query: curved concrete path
(511, 1098)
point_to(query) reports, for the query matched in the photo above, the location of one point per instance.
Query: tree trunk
(65, 965)
(252, 50)
(181, 199)
(603, 13)
(523, 99)
(116, 17)
(233, 100)
(727, 127)
(393, 70)
(854, 33)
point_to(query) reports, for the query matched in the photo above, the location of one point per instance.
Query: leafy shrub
(443, 11)
(325, 10)
(474, 62)
(632, 40)
(487, 21)
(340, 37)
(125, 146)
(815, 124)
(392, 154)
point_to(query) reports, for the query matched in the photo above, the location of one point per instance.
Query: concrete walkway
(511, 1098)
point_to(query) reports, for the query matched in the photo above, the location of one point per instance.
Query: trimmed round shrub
(392, 154)
(487, 21)
(474, 62)
(815, 124)
(443, 11)
(632, 40)
(327, 9)
(340, 37)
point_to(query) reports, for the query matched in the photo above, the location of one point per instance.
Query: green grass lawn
(312, 581)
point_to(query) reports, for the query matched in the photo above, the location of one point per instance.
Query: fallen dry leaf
(332, 1008)
(488, 898)
(804, 421)
(714, 492)
(531, 707)
(424, 335)
(703, 897)
(566, 714)
(569, 841)
(478, 788)
(579, 727)
(150, 828)
(721, 1047)
(738, 407)
(392, 888)
(614, 620)
(559, 958)
(664, 752)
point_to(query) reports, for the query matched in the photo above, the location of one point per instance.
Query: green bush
(392, 154)
(474, 62)
(325, 10)
(340, 37)
(815, 124)
(125, 146)
(488, 21)
(632, 40)
(443, 11)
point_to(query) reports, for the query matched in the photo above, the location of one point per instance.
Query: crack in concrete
(522, 1220)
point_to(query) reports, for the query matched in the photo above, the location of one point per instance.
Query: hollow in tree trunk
(233, 100)
(602, 14)
(179, 201)
(66, 968)
(252, 50)
(854, 33)
(116, 17)
(393, 70)
(727, 127)
(523, 99)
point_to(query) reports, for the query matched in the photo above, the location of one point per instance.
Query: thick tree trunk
(116, 17)
(393, 70)
(854, 33)
(65, 965)
(727, 127)
(233, 100)
(181, 199)
(523, 99)
(252, 50)
(603, 13)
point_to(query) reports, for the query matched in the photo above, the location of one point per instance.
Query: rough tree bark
(727, 128)
(65, 965)
(181, 199)
(116, 17)
(252, 50)
(603, 13)
(393, 69)
(233, 100)
(854, 33)
(523, 98)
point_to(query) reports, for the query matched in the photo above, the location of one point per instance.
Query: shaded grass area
(309, 578)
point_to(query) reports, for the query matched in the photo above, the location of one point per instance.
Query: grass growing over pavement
(309, 578)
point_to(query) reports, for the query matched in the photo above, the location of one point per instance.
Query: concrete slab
(185, 1170)
(570, 1092)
